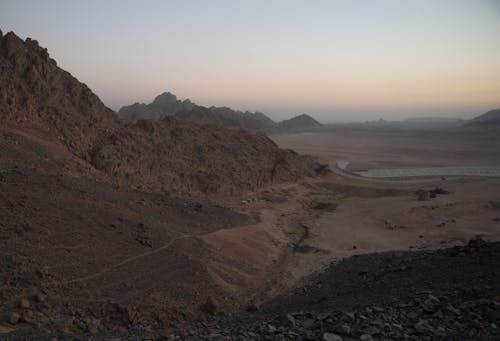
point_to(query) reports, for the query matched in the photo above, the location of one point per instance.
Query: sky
(350, 60)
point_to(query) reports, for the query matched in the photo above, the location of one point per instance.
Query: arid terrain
(383, 215)
(371, 148)
(176, 230)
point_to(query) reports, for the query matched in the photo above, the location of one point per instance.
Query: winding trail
(126, 261)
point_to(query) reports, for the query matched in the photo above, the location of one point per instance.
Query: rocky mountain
(167, 104)
(168, 155)
(301, 122)
(163, 105)
(36, 95)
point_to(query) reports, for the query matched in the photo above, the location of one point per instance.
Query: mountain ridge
(219, 116)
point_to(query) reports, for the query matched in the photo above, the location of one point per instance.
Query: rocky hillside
(171, 156)
(226, 117)
(36, 95)
(183, 158)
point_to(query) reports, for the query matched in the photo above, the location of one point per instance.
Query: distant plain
(369, 148)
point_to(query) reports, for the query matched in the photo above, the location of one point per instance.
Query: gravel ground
(451, 294)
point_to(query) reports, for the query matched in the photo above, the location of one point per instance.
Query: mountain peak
(165, 104)
(166, 97)
(302, 121)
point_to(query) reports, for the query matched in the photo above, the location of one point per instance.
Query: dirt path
(126, 261)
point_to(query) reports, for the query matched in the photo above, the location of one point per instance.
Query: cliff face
(172, 156)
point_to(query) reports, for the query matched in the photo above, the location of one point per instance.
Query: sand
(367, 219)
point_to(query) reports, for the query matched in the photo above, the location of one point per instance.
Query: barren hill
(36, 95)
(168, 156)
(300, 122)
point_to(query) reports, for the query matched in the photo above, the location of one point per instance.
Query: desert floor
(130, 258)
(382, 215)
(398, 148)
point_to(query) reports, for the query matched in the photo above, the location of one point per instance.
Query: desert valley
(254, 171)
(192, 225)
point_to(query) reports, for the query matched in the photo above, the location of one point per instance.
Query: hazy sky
(337, 60)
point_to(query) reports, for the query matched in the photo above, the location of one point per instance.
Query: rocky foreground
(451, 294)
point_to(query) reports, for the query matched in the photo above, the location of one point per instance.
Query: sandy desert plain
(373, 214)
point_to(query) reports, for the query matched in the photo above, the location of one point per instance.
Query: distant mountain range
(488, 119)
(412, 123)
(491, 117)
(167, 104)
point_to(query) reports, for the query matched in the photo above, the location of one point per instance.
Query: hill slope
(37, 95)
